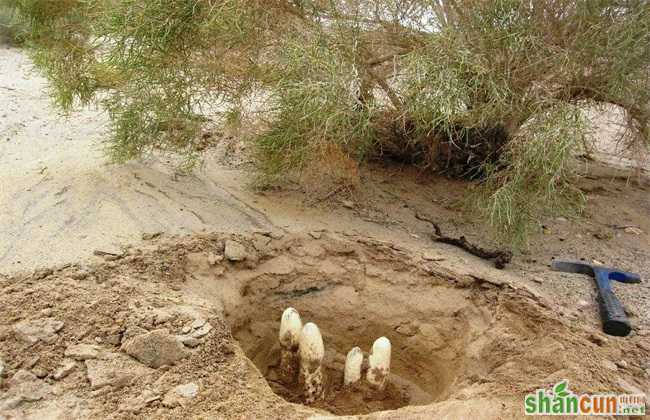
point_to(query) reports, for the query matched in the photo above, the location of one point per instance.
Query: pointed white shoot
(379, 363)
(290, 330)
(312, 351)
(353, 362)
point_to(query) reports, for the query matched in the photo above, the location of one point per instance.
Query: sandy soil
(80, 245)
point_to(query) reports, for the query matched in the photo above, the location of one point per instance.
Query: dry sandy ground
(80, 265)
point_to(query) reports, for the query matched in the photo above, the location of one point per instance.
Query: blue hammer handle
(612, 312)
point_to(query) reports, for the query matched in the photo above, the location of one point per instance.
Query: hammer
(612, 313)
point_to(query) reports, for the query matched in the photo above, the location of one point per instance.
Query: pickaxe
(612, 312)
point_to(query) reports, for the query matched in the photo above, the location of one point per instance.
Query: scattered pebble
(180, 394)
(622, 364)
(39, 372)
(44, 329)
(432, 256)
(198, 323)
(203, 331)
(31, 362)
(348, 204)
(82, 351)
(633, 230)
(598, 339)
(235, 251)
(156, 348)
(316, 234)
(65, 370)
(214, 259)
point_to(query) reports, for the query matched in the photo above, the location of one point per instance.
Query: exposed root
(500, 257)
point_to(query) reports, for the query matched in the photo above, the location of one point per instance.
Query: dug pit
(453, 337)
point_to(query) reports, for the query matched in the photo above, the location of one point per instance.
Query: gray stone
(203, 331)
(156, 348)
(39, 372)
(31, 362)
(608, 364)
(214, 259)
(117, 372)
(622, 364)
(44, 329)
(2, 369)
(27, 386)
(431, 256)
(281, 265)
(11, 403)
(198, 323)
(83, 351)
(180, 395)
(132, 332)
(235, 251)
(66, 369)
(188, 341)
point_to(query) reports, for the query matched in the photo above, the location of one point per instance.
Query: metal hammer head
(595, 271)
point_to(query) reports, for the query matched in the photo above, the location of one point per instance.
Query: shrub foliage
(488, 89)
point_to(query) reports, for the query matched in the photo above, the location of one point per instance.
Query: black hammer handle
(615, 321)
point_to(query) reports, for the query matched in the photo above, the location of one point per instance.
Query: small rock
(116, 372)
(235, 251)
(316, 234)
(31, 362)
(26, 385)
(82, 351)
(598, 339)
(11, 403)
(561, 219)
(198, 323)
(190, 342)
(276, 235)
(214, 259)
(537, 280)
(348, 204)
(203, 331)
(39, 372)
(432, 256)
(133, 331)
(408, 330)
(156, 348)
(114, 339)
(622, 364)
(150, 236)
(44, 329)
(608, 364)
(47, 312)
(582, 303)
(186, 329)
(373, 271)
(633, 230)
(99, 340)
(180, 395)
(281, 265)
(65, 370)
(2, 369)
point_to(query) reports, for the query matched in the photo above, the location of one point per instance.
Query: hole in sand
(436, 334)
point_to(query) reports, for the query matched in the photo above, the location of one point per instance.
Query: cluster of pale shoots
(302, 353)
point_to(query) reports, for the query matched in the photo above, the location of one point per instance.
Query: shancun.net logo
(562, 401)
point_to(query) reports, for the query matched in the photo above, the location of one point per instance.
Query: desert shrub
(487, 90)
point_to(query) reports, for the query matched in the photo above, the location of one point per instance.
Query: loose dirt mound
(88, 341)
